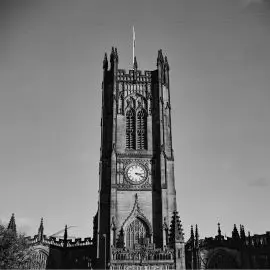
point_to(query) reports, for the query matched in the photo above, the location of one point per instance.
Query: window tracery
(141, 130)
(136, 122)
(136, 233)
(130, 129)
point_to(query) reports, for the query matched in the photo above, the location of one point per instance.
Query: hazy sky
(51, 56)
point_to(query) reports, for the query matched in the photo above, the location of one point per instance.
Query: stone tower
(137, 222)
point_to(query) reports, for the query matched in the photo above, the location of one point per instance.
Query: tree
(15, 253)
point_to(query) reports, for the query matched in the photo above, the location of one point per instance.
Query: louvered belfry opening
(130, 129)
(141, 130)
(136, 233)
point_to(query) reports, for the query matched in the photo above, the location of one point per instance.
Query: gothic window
(141, 130)
(135, 233)
(130, 129)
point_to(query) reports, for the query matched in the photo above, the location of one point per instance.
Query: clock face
(136, 173)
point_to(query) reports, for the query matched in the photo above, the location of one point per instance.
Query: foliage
(15, 253)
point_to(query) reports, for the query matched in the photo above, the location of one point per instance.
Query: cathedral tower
(137, 216)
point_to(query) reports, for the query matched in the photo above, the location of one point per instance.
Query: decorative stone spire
(242, 233)
(192, 233)
(40, 230)
(120, 240)
(235, 233)
(65, 233)
(192, 238)
(196, 236)
(112, 57)
(176, 230)
(219, 236)
(105, 62)
(135, 64)
(65, 236)
(12, 224)
(166, 64)
(249, 239)
(116, 55)
(160, 59)
(219, 230)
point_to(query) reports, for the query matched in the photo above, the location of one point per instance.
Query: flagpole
(133, 45)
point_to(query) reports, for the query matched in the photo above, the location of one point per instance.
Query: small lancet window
(130, 129)
(141, 130)
(121, 104)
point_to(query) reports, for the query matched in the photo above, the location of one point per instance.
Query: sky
(51, 55)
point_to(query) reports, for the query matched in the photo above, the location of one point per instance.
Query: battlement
(137, 75)
(59, 242)
(262, 240)
(259, 240)
(80, 242)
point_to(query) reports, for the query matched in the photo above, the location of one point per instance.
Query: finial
(12, 224)
(191, 232)
(120, 240)
(242, 233)
(196, 236)
(160, 57)
(176, 231)
(65, 237)
(65, 233)
(112, 55)
(219, 236)
(105, 62)
(116, 54)
(40, 230)
(192, 236)
(249, 239)
(135, 64)
(166, 64)
(113, 58)
(235, 234)
(219, 230)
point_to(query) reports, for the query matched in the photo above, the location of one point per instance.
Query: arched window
(141, 130)
(130, 129)
(136, 233)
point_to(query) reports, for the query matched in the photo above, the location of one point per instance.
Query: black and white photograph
(134, 135)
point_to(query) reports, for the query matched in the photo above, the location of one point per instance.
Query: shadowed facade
(137, 222)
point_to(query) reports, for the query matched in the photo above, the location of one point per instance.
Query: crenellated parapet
(59, 242)
(255, 241)
(45, 241)
(132, 76)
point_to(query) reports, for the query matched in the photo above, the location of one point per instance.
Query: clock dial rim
(129, 178)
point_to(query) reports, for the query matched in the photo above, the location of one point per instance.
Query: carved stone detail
(137, 213)
(122, 181)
